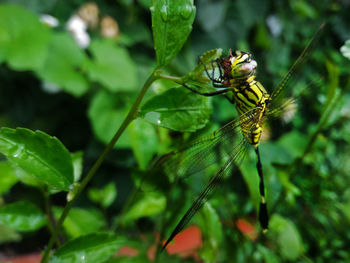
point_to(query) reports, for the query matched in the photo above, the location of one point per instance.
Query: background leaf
(92, 248)
(63, 65)
(106, 114)
(24, 40)
(81, 221)
(22, 216)
(39, 154)
(104, 196)
(171, 23)
(147, 204)
(112, 66)
(7, 176)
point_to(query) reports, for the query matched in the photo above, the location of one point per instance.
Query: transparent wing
(217, 147)
(280, 93)
(236, 156)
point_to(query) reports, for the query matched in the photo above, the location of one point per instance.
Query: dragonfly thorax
(251, 101)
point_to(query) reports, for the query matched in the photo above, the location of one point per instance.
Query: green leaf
(7, 176)
(106, 113)
(112, 66)
(8, 234)
(288, 237)
(209, 222)
(105, 196)
(294, 143)
(63, 65)
(178, 109)
(81, 221)
(206, 58)
(77, 160)
(345, 49)
(171, 24)
(27, 178)
(144, 141)
(148, 204)
(92, 248)
(23, 38)
(39, 154)
(22, 216)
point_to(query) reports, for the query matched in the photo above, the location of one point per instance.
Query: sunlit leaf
(81, 221)
(144, 141)
(106, 113)
(148, 204)
(39, 154)
(23, 38)
(92, 248)
(63, 65)
(288, 237)
(112, 66)
(77, 160)
(22, 216)
(104, 196)
(171, 24)
(178, 109)
(8, 234)
(7, 176)
(210, 224)
(345, 49)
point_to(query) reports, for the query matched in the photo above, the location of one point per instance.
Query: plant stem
(129, 118)
(50, 218)
(172, 78)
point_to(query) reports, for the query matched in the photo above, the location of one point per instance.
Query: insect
(236, 80)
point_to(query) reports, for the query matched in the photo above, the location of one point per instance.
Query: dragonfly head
(242, 64)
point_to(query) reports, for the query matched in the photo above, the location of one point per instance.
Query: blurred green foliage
(81, 96)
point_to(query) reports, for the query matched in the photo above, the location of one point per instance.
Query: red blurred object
(31, 258)
(247, 229)
(186, 243)
(127, 251)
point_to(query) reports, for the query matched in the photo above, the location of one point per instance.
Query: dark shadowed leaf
(39, 154)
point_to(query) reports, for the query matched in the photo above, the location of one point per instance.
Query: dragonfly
(236, 80)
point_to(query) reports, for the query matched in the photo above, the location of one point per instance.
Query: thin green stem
(172, 78)
(129, 118)
(50, 218)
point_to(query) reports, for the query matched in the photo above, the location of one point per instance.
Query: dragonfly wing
(236, 155)
(281, 92)
(200, 154)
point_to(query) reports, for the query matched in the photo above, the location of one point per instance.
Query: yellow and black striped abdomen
(251, 98)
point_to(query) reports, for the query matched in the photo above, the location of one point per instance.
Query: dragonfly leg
(206, 93)
(263, 215)
(217, 83)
